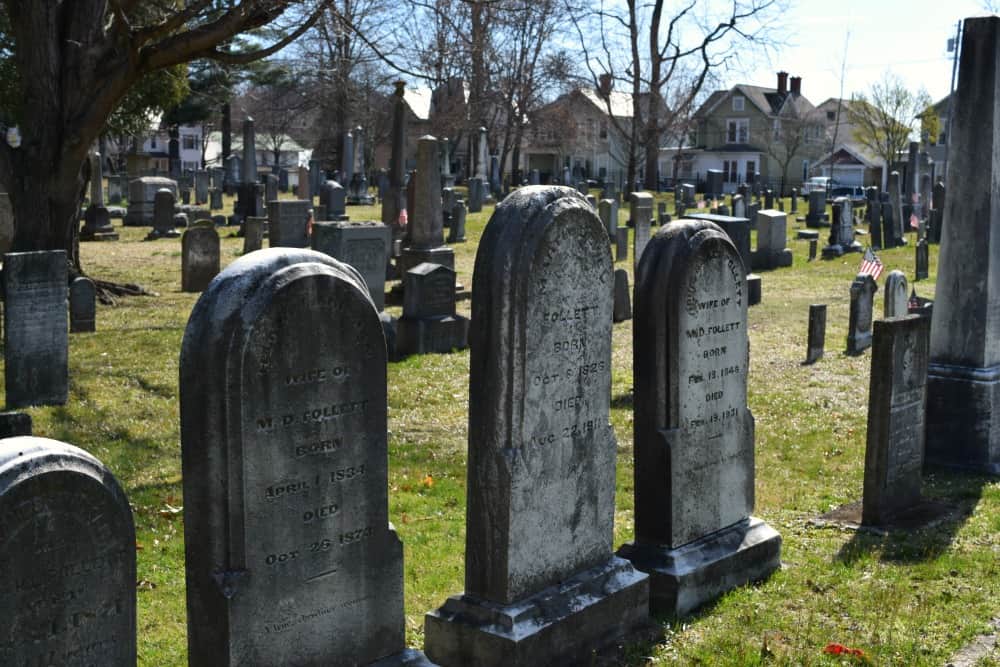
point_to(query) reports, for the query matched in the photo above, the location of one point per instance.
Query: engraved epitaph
(694, 433)
(36, 340)
(542, 452)
(67, 553)
(283, 403)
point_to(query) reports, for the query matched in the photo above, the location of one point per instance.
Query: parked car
(854, 192)
(817, 183)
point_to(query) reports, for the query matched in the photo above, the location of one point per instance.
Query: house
(152, 151)
(845, 159)
(754, 135)
(291, 155)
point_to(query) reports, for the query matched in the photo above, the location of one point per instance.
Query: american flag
(871, 265)
(701, 203)
(914, 223)
(914, 301)
(403, 218)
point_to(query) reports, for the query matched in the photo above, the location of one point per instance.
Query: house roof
(621, 103)
(261, 143)
(768, 100)
(419, 101)
(854, 150)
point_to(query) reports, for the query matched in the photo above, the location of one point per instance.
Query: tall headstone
(288, 223)
(937, 213)
(68, 558)
(248, 163)
(346, 158)
(200, 258)
(795, 200)
(739, 206)
(426, 226)
(96, 180)
(290, 556)
(270, 189)
(694, 433)
(115, 189)
(894, 456)
(459, 213)
(892, 232)
(542, 585)
(926, 195)
(641, 212)
(394, 202)
(253, 234)
(447, 178)
(82, 305)
(912, 170)
(922, 270)
(215, 199)
(817, 333)
(364, 246)
(623, 298)
(621, 244)
(36, 342)
(963, 390)
(897, 295)
(859, 331)
(477, 194)
(874, 216)
(772, 230)
(201, 186)
(841, 230)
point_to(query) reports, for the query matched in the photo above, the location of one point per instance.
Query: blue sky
(908, 38)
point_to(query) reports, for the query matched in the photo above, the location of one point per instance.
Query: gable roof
(621, 103)
(419, 101)
(768, 100)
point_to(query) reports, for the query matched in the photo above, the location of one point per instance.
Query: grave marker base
(411, 257)
(963, 429)
(408, 658)
(561, 624)
(687, 577)
(431, 335)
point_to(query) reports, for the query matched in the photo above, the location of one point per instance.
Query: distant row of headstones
(290, 555)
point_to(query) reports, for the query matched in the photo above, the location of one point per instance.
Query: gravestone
(97, 225)
(448, 199)
(937, 213)
(738, 230)
(142, 197)
(288, 223)
(13, 424)
(963, 390)
(533, 177)
(426, 226)
(282, 179)
(82, 305)
(623, 299)
(253, 234)
(68, 558)
(333, 196)
(841, 230)
(641, 213)
(713, 183)
(115, 189)
(592, 200)
(163, 216)
(816, 214)
(270, 189)
(542, 586)
(813, 245)
(459, 213)
(215, 199)
(874, 215)
(892, 231)
(477, 189)
(6, 223)
(429, 323)
(897, 295)
(687, 194)
(36, 342)
(771, 253)
(768, 199)
(694, 433)
(316, 177)
(604, 211)
(922, 260)
(201, 186)
(817, 333)
(795, 200)
(186, 196)
(739, 206)
(925, 198)
(363, 245)
(200, 257)
(447, 178)
(302, 184)
(894, 456)
(313, 572)
(859, 330)
(621, 244)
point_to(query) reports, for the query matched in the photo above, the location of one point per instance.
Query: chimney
(782, 83)
(796, 85)
(604, 90)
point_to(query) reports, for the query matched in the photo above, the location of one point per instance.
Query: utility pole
(953, 46)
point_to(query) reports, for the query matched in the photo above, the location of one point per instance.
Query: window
(604, 129)
(738, 130)
(189, 166)
(831, 115)
(751, 171)
(725, 171)
(188, 142)
(737, 103)
(777, 129)
(732, 172)
(152, 142)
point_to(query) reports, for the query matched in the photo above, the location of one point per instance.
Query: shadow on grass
(623, 400)
(912, 544)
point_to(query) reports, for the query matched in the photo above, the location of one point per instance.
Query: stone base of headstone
(162, 234)
(754, 292)
(953, 439)
(408, 658)
(836, 250)
(771, 260)
(685, 578)
(560, 625)
(807, 234)
(425, 335)
(411, 257)
(14, 424)
(815, 221)
(97, 225)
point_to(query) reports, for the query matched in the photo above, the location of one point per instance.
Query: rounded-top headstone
(67, 553)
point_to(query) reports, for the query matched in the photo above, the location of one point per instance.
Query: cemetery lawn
(908, 598)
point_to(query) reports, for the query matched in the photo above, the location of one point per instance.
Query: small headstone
(142, 197)
(687, 194)
(82, 305)
(768, 199)
(199, 257)
(713, 183)
(68, 558)
(363, 245)
(641, 213)
(36, 341)
(604, 210)
(163, 215)
(459, 213)
(841, 230)
(739, 206)
(215, 199)
(817, 208)
(302, 184)
(894, 456)
(13, 424)
(201, 186)
(333, 196)
(97, 225)
(621, 244)
(795, 200)
(623, 299)
(288, 223)
(754, 289)
(897, 295)
(477, 192)
(813, 245)
(694, 433)
(859, 332)
(922, 260)
(542, 586)
(771, 252)
(185, 196)
(314, 573)
(180, 219)
(429, 323)
(253, 234)
(817, 332)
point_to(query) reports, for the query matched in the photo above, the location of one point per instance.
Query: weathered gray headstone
(459, 214)
(13, 424)
(641, 212)
(892, 232)
(363, 245)
(817, 208)
(36, 340)
(859, 331)
(623, 298)
(621, 244)
(604, 211)
(253, 234)
(201, 186)
(164, 224)
(897, 294)
(429, 323)
(694, 433)
(772, 229)
(738, 230)
(817, 333)
(333, 196)
(713, 183)
(142, 197)
(894, 456)
(288, 223)
(82, 305)
(67, 556)
(795, 200)
(937, 213)
(426, 226)
(302, 185)
(289, 553)
(923, 259)
(200, 257)
(477, 190)
(270, 189)
(963, 391)
(542, 585)
(215, 199)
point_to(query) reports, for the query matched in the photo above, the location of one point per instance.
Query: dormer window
(738, 103)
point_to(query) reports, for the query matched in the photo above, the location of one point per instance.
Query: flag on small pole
(871, 265)
(914, 302)
(403, 218)
(914, 223)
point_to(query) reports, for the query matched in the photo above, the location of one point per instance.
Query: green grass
(905, 599)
